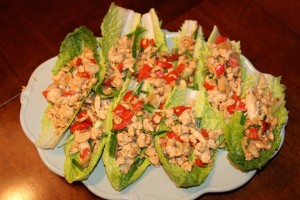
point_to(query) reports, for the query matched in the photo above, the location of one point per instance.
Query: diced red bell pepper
(144, 72)
(171, 76)
(204, 133)
(235, 97)
(231, 109)
(151, 42)
(173, 57)
(128, 96)
(68, 93)
(253, 133)
(84, 75)
(174, 136)
(220, 39)
(199, 162)
(137, 106)
(164, 64)
(85, 152)
(79, 126)
(144, 43)
(120, 67)
(208, 86)
(179, 110)
(78, 61)
(180, 67)
(241, 106)
(93, 61)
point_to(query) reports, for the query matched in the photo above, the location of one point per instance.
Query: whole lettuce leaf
(235, 128)
(210, 119)
(177, 174)
(73, 172)
(71, 47)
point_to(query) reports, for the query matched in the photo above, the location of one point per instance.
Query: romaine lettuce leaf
(119, 180)
(151, 23)
(72, 46)
(177, 174)
(117, 22)
(235, 129)
(72, 172)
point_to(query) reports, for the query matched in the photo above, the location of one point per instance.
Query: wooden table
(31, 33)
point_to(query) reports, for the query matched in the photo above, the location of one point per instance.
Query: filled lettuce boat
(187, 147)
(253, 135)
(75, 73)
(130, 148)
(84, 145)
(119, 46)
(224, 73)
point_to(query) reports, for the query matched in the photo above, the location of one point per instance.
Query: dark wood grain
(31, 33)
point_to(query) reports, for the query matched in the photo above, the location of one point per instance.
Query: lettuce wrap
(208, 126)
(253, 136)
(119, 45)
(78, 49)
(85, 143)
(224, 73)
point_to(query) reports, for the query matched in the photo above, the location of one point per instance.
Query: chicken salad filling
(88, 128)
(224, 77)
(259, 121)
(70, 87)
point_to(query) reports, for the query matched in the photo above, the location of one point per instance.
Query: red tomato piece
(68, 93)
(174, 136)
(93, 61)
(179, 110)
(164, 64)
(219, 69)
(199, 162)
(220, 39)
(151, 42)
(253, 133)
(241, 106)
(235, 97)
(126, 117)
(119, 109)
(173, 57)
(78, 61)
(144, 72)
(205, 134)
(161, 105)
(265, 126)
(171, 76)
(208, 86)
(128, 96)
(84, 75)
(85, 152)
(160, 74)
(144, 43)
(107, 82)
(120, 67)
(137, 106)
(180, 67)
(81, 114)
(232, 62)
(79, 126)
(45, 93)
(231, 109)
